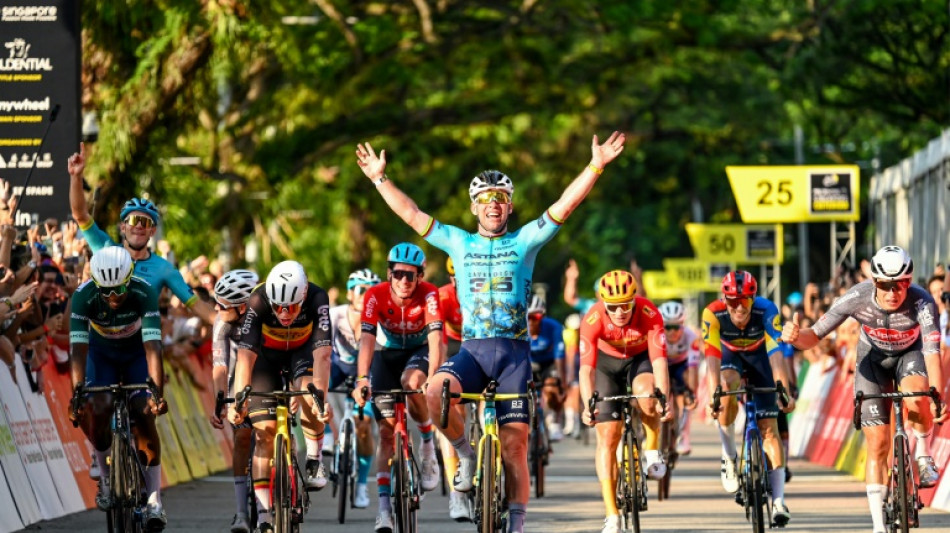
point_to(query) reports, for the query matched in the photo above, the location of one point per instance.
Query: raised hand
(601, 154)
(76, 164)
(372, 165)
(791, 329)
(572, 272)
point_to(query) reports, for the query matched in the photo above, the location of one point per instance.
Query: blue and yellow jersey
(761, 335)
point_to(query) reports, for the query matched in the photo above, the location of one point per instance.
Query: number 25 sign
(768, 194)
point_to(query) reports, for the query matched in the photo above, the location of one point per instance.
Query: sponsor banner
(9, 519)
(202, 398)
(836, 425)
(939, 497)
(808, 408)
(26, 509)
(181, 411)
(853, 455)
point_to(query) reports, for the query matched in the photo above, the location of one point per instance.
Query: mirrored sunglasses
(737, 302)
(893, 286)
(622, 308)
(672, 327)
(140, 220)
(289, 308)
(488, 197)
(535, 316)
(407, 274)
(109, 292)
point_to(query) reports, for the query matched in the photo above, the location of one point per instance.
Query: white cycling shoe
(730, 481)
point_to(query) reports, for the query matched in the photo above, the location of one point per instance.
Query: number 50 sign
(737, 243)
(767, 194)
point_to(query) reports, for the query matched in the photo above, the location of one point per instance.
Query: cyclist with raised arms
(286, 328)
(493, 269)
(741, 338)
(622, 345)
(899, 344)
(345, 323)
(138, 223)
(115, 335)
(547, 361)
(231, 294)
(407, 310)
(682, 354)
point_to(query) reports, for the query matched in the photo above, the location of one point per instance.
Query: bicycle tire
(344, 472)
(488, 488)
(759, 500)
(281, 504)
(537, 459)
(124, 489)
(663, 484)
(634, 477)
(901, 488)
(400, 486)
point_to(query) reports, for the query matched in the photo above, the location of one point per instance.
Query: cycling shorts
(678, 377)
(614, 376)
(387, 371)
(757, 370)
(452, 348)
(109, 365)
(877, 373)
(266, 377)
(543, 371)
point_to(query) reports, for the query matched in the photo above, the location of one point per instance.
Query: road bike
(669, 435)
(539, 444)
(488, 472)
(901, 502)
(631, 490)
(288, 502)
(220, 401)
(752, 467)
(345, 461)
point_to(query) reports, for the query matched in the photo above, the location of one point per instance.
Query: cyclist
(286, 328)
(626, 331)
(741, 338)
(345, 323)
(407, 309)
(115, 335)
(452, 339)
(547, 361)
(682, 352)
(138, 223)
(493, 269)
(899, 344)
(231, 294)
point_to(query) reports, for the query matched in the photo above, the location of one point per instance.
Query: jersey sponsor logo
(660, 341)
(777, 323)
(924, 316)
(323, 322)
(592, 318)
(282, 338)
(744, 345)
(369, 306)
(850, 295)
(932, 337)
(648, 311)
(499, 255)
(891, 339)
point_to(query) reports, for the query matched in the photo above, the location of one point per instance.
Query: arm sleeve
(220, 343)
(320, 335)
(433, 310)
(693, 355)
(179, 288)
(249, 335)
(773, 327)
(540, 231)
(151, 318)
(443, 236)
(927, 317)
(591, 327)
(835, 315)
(79, 321)
(656, 337)
(713, 346)
(371, 301)
(558, 337)
(96, 237)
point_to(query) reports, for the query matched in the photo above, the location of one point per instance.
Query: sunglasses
(407, 274)
(893, 286)
(672, 328)
(140, 220)
(293, 309)
(737, 302)
(360, 290)
(622, 308)
(109, 292)
(497, 197)
(535, 316)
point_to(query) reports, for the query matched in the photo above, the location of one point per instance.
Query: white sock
(262, 494)
(314, 447)
(153, 483)
(102, 460)
(728, 441)
(923, 446)
(876, 503)
(651, 456)
(777, 480)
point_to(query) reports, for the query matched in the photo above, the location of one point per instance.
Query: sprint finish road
(820, 500)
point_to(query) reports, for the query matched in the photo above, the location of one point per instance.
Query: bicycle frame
(344, 453)
(403, 463)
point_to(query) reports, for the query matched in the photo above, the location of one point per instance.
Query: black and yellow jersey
(261, 330)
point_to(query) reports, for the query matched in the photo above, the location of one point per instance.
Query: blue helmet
(140, 204)
(407, 253)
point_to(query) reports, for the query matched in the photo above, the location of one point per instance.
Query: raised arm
(601, 155)
(76, 165)
(374, 167)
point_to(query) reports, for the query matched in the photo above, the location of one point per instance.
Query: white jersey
(223, 351)
(346, 344)
(686, 349)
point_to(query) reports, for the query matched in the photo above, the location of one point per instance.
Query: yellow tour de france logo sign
(771, 194)
(737, 243)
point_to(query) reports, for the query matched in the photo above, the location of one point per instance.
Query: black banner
(761, 244)
(39, 70)
(830, 192)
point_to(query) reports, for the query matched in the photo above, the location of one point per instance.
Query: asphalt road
(819, 499)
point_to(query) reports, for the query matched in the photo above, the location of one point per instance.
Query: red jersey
(643, 332)
(451, 312)
(404, 326)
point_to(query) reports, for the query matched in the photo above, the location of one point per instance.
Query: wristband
(595, 169)
(362, 378)
(381, 180)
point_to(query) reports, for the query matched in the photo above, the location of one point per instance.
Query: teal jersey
(156, 270)
(135, 321)
(493, 275)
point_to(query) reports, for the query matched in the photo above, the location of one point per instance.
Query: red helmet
(739, 284)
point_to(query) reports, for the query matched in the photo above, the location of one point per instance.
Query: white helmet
(490, 180)
(673, 313)
(287, 283)
(235, 287)
(111, 266)
(537, 305)
(891, 263)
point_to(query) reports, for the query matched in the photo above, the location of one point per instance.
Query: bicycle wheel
(901, 485)
(537, 459)
(488, 489)
(281, 497)
(663, 484)
(344, 473)
(634, 479)
(758, 500)
(124, 488)
(400, 487)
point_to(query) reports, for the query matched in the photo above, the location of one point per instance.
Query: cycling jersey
(890, 332)
(493, 274)
(261, 330)
(451, 312)
(346, 343)
(686, 349)
(548, 346)
(153, 269)
(135, 321)
(761, 333)
(643, 333)
(223, 349)
(404, 326)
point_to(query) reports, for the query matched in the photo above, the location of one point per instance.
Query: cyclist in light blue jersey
(139, 221)
(493, 270)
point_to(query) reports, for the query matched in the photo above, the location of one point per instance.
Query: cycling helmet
(235, 287)
(490, 180)
(140, 204)
(287, 283)
(673, 313)
(111, 266)
(363, 276)
(739, 284)
(450, 266)
(617, 286)
(409, 254)
(537, 305)
(892, 263)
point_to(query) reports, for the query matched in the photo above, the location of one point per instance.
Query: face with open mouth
(492, 208)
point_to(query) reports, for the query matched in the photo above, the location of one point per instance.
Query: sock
(240, 494)
(314, 444)
(777, 480)
(382, 487)
(451, 466)
(362, 472)
(876, 503)
(153, 483)
(103, 461)
(463, 447)
(728, 441)
(262, 493)
(426, 430)
(923, 446)
(516, 516)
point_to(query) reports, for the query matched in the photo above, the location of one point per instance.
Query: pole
(803, 273)
(52, 118)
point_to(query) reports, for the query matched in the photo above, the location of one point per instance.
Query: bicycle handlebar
(488, 395)
(778, 389)
(595, 397)
(80, 391)
(860, 396)
(219, 402)
(241, 398)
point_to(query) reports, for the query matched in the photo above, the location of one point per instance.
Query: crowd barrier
(44, 460)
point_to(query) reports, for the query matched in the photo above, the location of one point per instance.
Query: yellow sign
(696, 275)
(659, 286)
(737, 243)
(770, 194)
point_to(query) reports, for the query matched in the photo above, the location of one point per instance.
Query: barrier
(808, 408)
